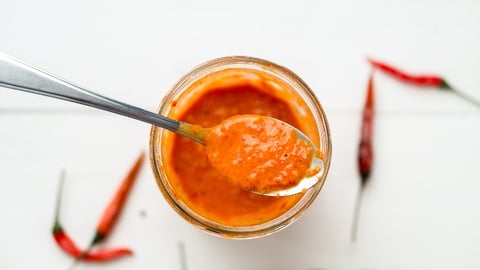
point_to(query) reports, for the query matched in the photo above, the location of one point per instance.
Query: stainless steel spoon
(17, 75)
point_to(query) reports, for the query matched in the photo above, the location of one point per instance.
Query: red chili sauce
(212, 99)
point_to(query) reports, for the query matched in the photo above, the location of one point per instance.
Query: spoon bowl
(316, 165)
(263, 155)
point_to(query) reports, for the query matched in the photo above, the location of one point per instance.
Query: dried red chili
(113, 209)
(65, 242)
(420, 80)
(365, 151)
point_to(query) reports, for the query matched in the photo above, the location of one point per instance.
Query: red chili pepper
(365, 150)
(420, 80)
(65, 242)
(113, 209)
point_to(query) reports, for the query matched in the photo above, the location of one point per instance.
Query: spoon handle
(17, 75)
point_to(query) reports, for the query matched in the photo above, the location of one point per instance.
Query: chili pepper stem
(97, 238)
(57, 227)
(445, 85)
(465, 97)
(356, 212)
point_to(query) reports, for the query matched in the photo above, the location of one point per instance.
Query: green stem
(356, 212)
(57, 227)
(445, 85)
(466, 97)
(97, 238)
(462, 95)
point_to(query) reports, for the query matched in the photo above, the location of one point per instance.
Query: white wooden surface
(420, 211)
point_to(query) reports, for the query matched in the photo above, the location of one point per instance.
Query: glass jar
(221, 73)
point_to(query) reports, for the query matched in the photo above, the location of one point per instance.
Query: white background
(420, 209)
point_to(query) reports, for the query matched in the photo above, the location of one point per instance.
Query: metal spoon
(17, 75)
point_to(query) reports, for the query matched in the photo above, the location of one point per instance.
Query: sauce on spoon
(259, 153)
